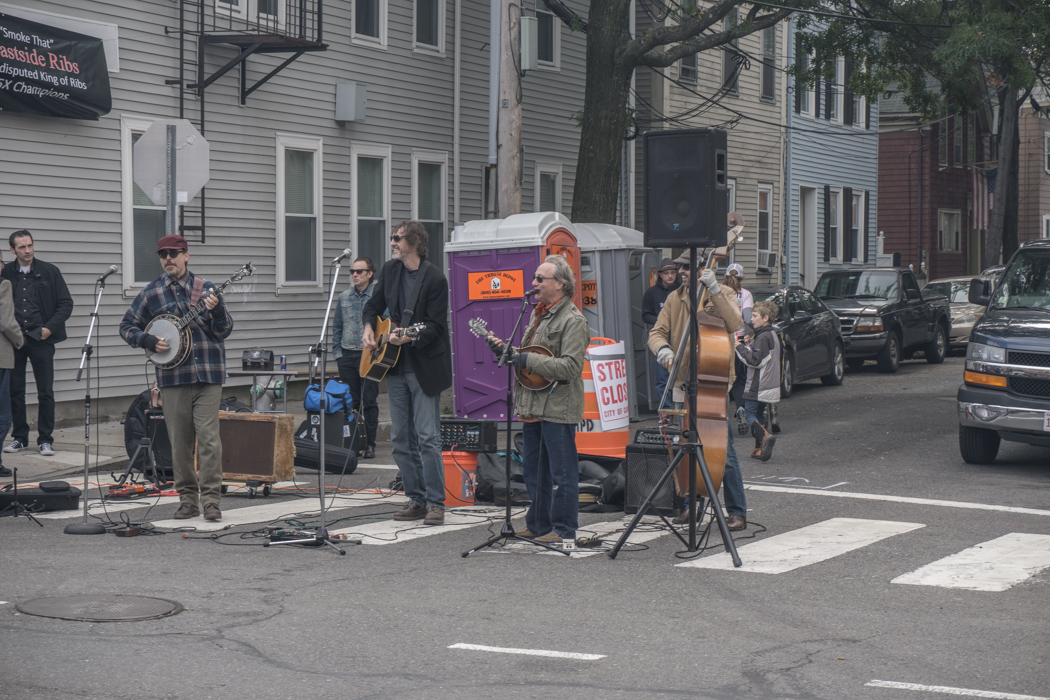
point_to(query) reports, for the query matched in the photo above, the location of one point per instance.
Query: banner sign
(609, 373)
(50, 71)
(499, 284)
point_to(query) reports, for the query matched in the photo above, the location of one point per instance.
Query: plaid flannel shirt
(207, 363)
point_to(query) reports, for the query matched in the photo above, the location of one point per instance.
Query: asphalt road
(298, 622)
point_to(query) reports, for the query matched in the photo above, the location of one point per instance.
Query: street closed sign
(609, 373)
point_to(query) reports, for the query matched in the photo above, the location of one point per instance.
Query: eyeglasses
(541, 278)
(396, 238)
(168, 253)
(359, 272)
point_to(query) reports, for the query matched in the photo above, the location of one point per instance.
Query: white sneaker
(45, 449)
(15, 446)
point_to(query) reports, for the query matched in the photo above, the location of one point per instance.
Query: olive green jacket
(564, 332)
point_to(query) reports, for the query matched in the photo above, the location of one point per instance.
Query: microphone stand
(86, 528)
(320, 355)
(507, 531)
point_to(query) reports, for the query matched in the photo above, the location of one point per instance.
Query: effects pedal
(133, 491)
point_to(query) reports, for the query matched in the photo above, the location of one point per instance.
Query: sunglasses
(359, 272)
(396, 238)
(541, 278)
(168, 253)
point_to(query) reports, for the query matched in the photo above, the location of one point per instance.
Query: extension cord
(588, 541)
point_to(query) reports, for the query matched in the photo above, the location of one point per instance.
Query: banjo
(175, 330)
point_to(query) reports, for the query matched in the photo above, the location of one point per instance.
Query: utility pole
(508, 134)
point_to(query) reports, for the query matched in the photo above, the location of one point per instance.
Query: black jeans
(42, 356)
(349, 364)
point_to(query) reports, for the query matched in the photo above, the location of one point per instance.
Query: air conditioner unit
(767, 262)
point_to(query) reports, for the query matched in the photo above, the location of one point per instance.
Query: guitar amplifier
(257, 446)
(644, 466)
(658, 436)
(466, 435)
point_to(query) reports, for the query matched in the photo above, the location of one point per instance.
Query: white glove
(707, 277)
(665, 357)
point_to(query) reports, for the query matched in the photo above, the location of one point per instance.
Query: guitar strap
(406, 315)
(197, 291)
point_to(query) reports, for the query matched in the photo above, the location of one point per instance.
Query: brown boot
(763, 442)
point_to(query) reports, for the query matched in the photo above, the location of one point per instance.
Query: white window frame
(731, 192)
(958, 147)
(297, 142)
(554, 65)
(549, 169)
(771, 65)
(838, 92)
(695, 68)
(1046, 151)
(129, 125)
(369, 150)
(435, 158)
(857, 209)
(954, 246)
(379, 42)
(1045, 232)
(279, 18)
(223, 7)
(836, 194)
(808, 106)
(768, 189)
(439, 49)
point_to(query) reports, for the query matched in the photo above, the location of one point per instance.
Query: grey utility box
(350, 101)
(615, 270)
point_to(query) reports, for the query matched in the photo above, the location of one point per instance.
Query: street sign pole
(169, 218)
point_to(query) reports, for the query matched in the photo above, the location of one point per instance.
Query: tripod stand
(144, 448)
(507, 531)
(17, 504)
(690, 448)
(320, 354)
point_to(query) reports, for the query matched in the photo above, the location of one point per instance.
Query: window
(687, 69)
(1046, 151)
(549, 31)
(236, 8)
(805, 99)
(834, 225)
(949, 236)
(731, 193)
(957, 140)
(428, 200)
(971, 140)
(765, 218)
(369, 22)
(430, 32)
(942, 143)
(299, 222)
(1045, 233)
(857, 226)
(370, 201)
(769, 63)
(268, 13)
(730, 67)
(858, 105)
(488, 194)
(547, 187)
(142, 221)
(836, 92)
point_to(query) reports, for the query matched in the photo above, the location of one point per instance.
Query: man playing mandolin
(550, 415)
(666, 335)
(192, 390)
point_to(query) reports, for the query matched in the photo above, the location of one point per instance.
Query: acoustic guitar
(377, 361)
(533, 381)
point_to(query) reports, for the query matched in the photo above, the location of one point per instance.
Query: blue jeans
(549, 457)
(660, 378)
(5, 405)
(415, 433)
(755, 412)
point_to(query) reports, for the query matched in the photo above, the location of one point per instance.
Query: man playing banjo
(190, 391)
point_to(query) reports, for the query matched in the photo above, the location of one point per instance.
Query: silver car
(964, 314)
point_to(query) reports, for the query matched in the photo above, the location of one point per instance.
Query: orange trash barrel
(590, 439)
(461, 470)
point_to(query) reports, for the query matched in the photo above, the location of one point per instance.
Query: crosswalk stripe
(898, 499)
(398, 531)
(805, 546)
(948, 690)
(649, 528)
(268, 512)
(995, 565)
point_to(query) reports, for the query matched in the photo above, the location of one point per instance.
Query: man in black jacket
(666, 282)
(42, 307)
(423, 369)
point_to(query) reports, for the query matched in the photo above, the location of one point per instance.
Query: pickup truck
(884, 315)
(1006, 385)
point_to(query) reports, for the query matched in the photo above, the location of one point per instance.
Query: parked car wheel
(787, 378)
(978, 445)
(838, 369)
(889, 358)
(855, 362)
(937, 348)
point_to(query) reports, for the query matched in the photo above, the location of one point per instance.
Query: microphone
(107, 273)
(531, 293)
(344, 254)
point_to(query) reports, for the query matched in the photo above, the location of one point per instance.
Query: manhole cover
(101, 608)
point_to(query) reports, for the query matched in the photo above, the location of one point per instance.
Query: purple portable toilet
(490, 267)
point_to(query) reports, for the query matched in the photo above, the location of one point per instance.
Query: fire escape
(209, 28)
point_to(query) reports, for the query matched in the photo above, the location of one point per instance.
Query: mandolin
(377, 361)
(533, 381)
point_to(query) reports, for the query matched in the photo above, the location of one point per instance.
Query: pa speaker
(644, 466)
(686, 188)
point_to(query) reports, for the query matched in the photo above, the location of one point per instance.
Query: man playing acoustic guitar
(192, 390)
(416, 292)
